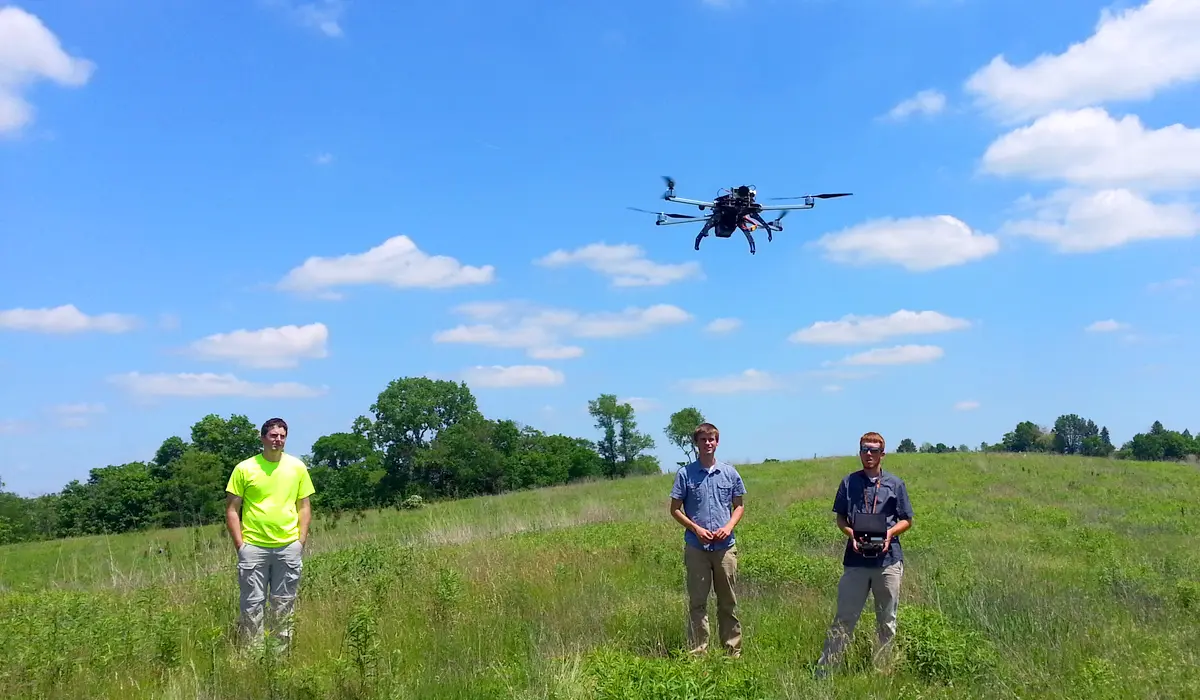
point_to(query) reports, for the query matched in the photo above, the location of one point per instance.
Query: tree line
(1072, 434)
(424, 439)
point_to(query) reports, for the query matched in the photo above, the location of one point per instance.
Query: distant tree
(963, 448)
(681, 427)
(1069, 433)
(622, 445)
(906, 446)
(1023, 438)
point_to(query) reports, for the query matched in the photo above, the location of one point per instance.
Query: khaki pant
(855, 584)
(712, 571)
(264, 571)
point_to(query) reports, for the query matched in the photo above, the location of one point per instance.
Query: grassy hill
(1027, 576)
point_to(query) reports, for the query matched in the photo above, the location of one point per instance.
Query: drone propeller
(816, 196)
(672, 215)
(670, 181)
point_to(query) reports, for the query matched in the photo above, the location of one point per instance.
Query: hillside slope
(1027, 576)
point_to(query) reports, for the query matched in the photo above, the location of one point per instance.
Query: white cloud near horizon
(540, 331)
(1089, 147)
(854, 329)
(397, 263)
(30, 53)
(966, 405)
(514, 376)
(918, 244)
(898, 355)
(209, 384)
(66, 318)
(266, 348)
(625, 265)
(1132, 54)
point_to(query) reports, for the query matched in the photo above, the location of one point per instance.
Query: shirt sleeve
(841, 501)
(903, 505)
(679, 490)
(237, 482)
(739, 487)
(306, 485)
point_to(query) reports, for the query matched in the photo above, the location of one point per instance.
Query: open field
(1034, 576)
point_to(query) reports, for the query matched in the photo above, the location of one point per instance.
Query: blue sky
(168, 170)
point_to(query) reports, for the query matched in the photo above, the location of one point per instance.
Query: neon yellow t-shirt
(269, 492)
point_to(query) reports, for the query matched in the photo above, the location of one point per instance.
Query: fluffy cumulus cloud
(77, 415)
(1083, 222)
(65, 319)
(751, 380)
(397, 262)
(208, 385)
(852, 329)
(1132, 55)
(272, 348)
(723, 325)
(927, 102)
(500, 377)
(918, 244)
(542, 331)
(898, 355)
(625, 265)
(1089, 147)
(31, 53)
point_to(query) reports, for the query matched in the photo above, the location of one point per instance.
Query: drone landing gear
(751, 239)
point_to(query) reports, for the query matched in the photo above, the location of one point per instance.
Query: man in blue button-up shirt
(707, 501)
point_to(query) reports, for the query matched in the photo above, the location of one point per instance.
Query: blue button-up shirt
(708, 499)
(885, 494)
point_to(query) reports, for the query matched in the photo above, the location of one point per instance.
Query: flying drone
(734, 208)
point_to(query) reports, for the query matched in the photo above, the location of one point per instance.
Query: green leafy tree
(680, 428)
(906, 446)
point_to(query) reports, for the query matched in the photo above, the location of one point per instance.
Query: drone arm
(786, 207)
(698, 219)
(681, 200)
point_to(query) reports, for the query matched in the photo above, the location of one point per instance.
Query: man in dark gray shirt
(865, 492)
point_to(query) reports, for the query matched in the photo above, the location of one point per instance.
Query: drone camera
(870, 533)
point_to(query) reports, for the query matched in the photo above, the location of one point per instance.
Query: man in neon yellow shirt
(267, 514)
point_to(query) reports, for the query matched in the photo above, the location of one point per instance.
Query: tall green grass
(1026, 577)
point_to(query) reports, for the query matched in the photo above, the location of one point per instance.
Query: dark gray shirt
(886, 494)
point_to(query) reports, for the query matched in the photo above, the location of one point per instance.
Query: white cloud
(853, 329)
(831, 388)
(273, 348)
(639, 403)
(1074, 222)
(966, 405)
(397, 262)
(540, 331)
(723, 325)
(497, 376)
(1090, 147)
(751, 380)
(924, 102)
(898, 355)
(1132, 55)
(323, 159)
(30, 52)
(918, 244)
(75, 415)
(321, 15)
(65, 319)
(1106, 326)
(626, 265)
(210, 385)
(10, 426)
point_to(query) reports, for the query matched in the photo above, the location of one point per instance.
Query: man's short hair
(271, 424)
(705, 429)
(872, 437)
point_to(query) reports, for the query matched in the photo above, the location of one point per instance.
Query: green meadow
(1026, 577)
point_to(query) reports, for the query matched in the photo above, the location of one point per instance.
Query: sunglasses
(870, 450)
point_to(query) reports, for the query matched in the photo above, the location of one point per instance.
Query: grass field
(1050, 577)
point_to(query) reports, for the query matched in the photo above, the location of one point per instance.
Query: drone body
(735, 209)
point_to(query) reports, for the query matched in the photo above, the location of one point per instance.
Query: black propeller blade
(670, 181)
(816, 196)
(663, 213)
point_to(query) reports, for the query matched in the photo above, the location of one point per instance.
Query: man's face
(707, 444)
(275, 438)
(870, 453)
